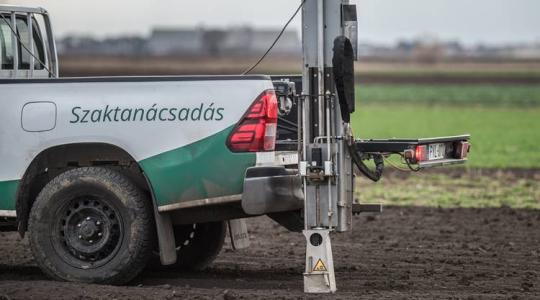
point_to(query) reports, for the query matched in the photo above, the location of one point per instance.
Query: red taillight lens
(420, 153)
(257, 130)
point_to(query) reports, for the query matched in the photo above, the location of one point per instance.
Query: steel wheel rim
(88, 232)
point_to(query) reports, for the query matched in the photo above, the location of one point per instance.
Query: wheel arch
(54, 160)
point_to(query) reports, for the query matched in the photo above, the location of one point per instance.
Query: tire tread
(130, 265)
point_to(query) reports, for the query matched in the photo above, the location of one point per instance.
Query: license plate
(436, 151)
(286, 158)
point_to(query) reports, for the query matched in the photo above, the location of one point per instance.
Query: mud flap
(238, 234)
(166, 240)
(165, 233)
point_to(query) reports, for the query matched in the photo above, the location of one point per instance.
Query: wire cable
(25, 48)
(405, 161)
(275, 41)
(378, 159)
(394, 165)
(410, 166)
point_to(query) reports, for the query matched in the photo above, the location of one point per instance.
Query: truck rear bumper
(271, 189)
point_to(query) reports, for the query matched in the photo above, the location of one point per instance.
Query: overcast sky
(381, 21)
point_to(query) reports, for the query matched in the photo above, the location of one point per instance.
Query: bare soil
(403, 253)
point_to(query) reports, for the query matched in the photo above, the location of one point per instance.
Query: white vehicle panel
(140, 138)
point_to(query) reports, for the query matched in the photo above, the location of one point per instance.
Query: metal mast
(325, 165)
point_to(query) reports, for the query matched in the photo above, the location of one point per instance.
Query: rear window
(24, 52)
(6, 45)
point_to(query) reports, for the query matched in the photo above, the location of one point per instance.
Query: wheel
(197, 246)
(91, 225)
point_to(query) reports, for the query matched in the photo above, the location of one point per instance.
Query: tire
(91, 225)
(197, 246)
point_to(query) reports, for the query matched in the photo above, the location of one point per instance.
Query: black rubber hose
(374, 175)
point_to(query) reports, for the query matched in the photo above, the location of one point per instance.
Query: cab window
(24, 54)
(6, 46)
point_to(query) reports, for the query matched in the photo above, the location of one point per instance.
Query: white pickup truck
(91, 167)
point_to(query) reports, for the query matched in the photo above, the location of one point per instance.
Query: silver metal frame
(51, 57)
(328, 188)
(202, 202)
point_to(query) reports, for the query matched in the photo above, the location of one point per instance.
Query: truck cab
(27, 46)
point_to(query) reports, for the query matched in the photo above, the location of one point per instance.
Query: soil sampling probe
(329, 156)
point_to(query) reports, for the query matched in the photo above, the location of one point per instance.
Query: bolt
(99, 234)
(87, 218)
(79, 225)
(98, 223)
(80, 237)
(90, 241)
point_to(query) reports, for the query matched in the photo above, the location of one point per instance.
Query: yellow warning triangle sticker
(319, 266)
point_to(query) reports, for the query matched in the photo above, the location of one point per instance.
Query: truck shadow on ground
(14, 272)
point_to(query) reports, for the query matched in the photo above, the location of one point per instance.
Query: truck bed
(175, 127)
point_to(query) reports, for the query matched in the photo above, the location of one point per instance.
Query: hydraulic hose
(374, 175)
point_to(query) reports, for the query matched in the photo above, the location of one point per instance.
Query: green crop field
(450, 71)
(479, 188)
(455, 95)
(504, 120)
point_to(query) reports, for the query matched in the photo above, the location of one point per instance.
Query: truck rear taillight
(256, 132)
(421, 153)
(438, 151)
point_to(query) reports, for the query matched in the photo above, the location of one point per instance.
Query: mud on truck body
(105, 174)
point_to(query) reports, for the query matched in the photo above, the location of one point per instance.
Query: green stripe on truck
(204, 169)
(8, 193)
